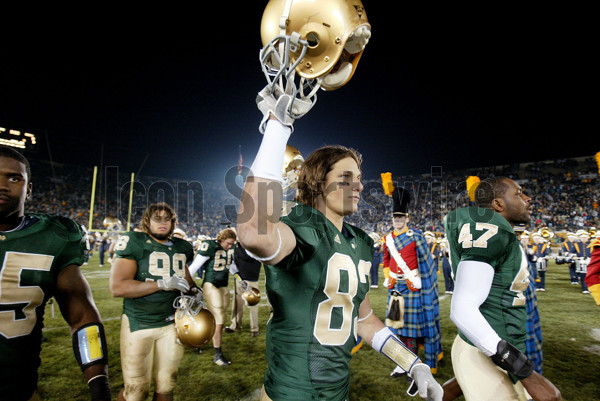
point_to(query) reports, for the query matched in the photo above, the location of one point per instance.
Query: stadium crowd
(565, 196)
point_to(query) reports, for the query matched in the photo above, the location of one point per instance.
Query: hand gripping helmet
(320, 40)
(251, 296)
(195, 325)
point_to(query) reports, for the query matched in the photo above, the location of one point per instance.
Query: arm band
(268, 257)
(89, 345)
(509, 358)
(385, 342)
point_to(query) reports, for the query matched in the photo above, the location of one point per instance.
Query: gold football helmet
(292, 161)
(194, 323)
(322, 41)
(335, 31)
(251, 296)
(111, 223)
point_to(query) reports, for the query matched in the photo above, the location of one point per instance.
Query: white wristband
(268, 163)
(253, 256)
(385, 342)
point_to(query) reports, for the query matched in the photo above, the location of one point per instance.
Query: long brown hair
(314, 171)
(158, 207)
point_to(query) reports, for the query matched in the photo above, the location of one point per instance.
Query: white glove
(416, 281)
(272, 100)
(386, 282)
(268, 103)
(428, 387)
(174, 283)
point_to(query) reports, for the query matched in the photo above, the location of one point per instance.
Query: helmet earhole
(313, 39)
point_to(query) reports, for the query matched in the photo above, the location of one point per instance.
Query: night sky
(172, 94)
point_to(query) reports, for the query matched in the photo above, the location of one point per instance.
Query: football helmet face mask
(320, 41)
(251, 296)
(195, 325)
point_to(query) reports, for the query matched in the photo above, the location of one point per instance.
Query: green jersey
(31, 258)
(155, 261)
(216, 269)
(479, 234)
(315, 293)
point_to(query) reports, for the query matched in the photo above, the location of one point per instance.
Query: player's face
(14, 189)
(517, 204)
(160, 225)
(343, 187)
(399, 221)
(226, 244)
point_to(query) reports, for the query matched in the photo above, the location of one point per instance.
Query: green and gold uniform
(315, 293)
(482, 235)
(155, 261)
(31, 258)
(216, 269)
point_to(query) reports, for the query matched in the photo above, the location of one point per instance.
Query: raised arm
(259, 229)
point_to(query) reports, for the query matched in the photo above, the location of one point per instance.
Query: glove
(428, 387)
(272, 100)
(386, 282)
(269, 104)
(174, 283)
(414, 283)
(197, 293)
(244, 285)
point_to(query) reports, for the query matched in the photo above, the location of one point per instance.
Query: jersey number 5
(12, 292)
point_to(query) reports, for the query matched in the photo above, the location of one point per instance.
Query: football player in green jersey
(488, 305)
(215, 257)
(150, 271)
(40, 257)
(317, 268)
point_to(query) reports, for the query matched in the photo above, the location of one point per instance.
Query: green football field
(570, 325)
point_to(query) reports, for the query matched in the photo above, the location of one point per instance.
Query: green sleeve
(308, 241)
(73, 252)
(127, 247)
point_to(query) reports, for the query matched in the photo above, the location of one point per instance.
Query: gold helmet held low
(194, 323)
(251, 296)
